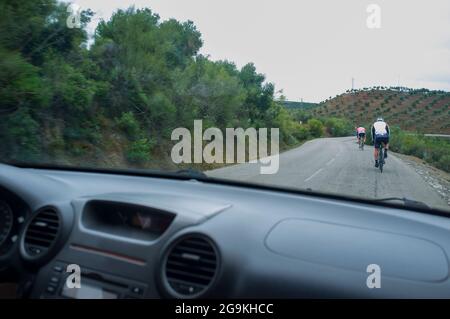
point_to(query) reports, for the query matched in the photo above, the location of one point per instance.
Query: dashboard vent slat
(176, 264)
(39, 232)
(196, 250)
(179, 257)
(42, 232)
(191, 265)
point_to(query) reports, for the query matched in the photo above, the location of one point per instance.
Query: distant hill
(420, 110)
(299, 105)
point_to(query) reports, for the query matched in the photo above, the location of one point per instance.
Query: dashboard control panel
(91, 284)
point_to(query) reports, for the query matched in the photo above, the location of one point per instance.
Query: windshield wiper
(180, 174)
(192, 173)
(406, 201)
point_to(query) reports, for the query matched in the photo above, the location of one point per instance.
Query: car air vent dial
(41, 233)
(190, 266)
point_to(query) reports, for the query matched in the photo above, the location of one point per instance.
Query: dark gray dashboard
(240, 242)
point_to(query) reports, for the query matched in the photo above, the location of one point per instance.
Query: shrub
(432, 150)
(316, 128)
(337, 127)
(302, 133)
(22, 141)
(444, 163)
(139, 151)
(128, 123)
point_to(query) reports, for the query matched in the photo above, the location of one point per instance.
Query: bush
(444, 163)
(139, 151)
(302, 133)
(83, 131)
(21, 143)
(412, 145)
(338, 127)
(316, 128)
(128, 123)
(432, 150)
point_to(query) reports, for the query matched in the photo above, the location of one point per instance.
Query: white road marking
(330, 161)
(317, 172)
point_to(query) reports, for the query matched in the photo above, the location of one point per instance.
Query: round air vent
(190, 266)
(41, 233)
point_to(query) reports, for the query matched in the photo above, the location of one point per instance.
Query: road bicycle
(361, 144)
(381, 157)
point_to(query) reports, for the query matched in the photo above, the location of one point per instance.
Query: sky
(312, 49)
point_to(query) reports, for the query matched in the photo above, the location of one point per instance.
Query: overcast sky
(312, 49)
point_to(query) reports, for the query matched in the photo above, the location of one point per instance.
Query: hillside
(299, 105)
(421, 110)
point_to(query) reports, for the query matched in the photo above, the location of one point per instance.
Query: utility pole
(353, 84)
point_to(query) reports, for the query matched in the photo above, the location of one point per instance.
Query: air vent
(41, 233)
(191, 266)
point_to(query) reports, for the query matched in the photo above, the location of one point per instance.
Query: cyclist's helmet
(380, 119)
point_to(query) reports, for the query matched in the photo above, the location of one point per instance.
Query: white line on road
(317, 172)
(330, 161)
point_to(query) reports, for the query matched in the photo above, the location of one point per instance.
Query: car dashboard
(150, 237)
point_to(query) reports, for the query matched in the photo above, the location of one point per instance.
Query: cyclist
(361, 133)
(380, 134)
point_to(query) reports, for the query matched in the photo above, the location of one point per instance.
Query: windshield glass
(342, 97)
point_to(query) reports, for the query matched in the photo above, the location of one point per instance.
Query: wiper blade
(180, 174)
(191, 173)
(406, 201)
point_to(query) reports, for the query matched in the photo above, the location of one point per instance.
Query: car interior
(209, 158)
(149, 235)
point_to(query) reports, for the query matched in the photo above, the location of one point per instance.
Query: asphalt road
(336, 165)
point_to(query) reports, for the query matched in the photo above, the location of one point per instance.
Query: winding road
(336, 165)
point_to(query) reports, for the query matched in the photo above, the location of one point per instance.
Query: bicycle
(361, 144)
(381, 157)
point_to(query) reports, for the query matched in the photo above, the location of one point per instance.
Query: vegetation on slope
(117, 102)
(420, 110)
(298, 105)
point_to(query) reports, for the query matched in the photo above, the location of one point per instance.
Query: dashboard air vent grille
(41, 232)
(191, 265)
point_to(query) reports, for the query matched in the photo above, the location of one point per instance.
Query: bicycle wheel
(381, 158)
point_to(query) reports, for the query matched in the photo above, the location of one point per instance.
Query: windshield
(343, 97)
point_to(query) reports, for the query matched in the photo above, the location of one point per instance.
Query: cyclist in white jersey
(380, 135)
